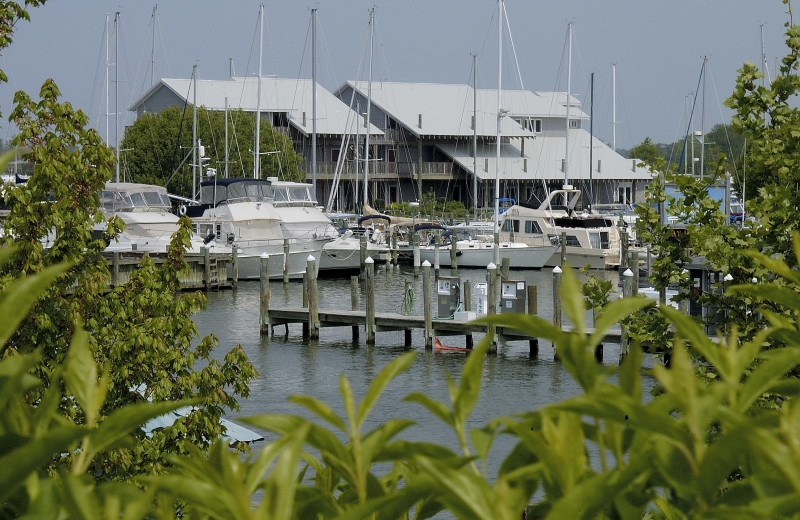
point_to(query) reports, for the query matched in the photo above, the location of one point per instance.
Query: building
(421, 139)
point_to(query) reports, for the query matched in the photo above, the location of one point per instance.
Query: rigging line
(729, 153)
(101, 62)
(180, 133)
(691, 115)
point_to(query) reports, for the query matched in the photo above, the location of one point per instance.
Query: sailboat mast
(591, 138)
(116, 93)
(703, 120)
(108, 103)
(614, 106)
(475, 137)
(195, 175)
(226, 137)
(314, 101)
(497, 144)
(153, 48)
(569, 88)
(257, 156)
(369, 106)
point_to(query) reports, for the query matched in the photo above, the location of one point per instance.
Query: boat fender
(182, 210)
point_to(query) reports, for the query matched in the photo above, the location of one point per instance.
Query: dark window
(511, 225)
(532, 227)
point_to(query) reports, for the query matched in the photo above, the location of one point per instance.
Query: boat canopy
(219, 191)
(126, 196)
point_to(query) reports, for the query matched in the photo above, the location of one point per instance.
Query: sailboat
(477, 250)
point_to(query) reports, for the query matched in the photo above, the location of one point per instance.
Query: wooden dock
(206, 271)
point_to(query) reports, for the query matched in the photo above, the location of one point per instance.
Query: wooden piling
(362, 253)
(416, 257)
(354, 302)
(505, 267)
(313, 300)
(369, 273)
(426, 303)
(563, 248)
(436, 252)
(115, 269)
(533, 309)
(265, 294)
(285, 260)
(557, 273)
(453, 254)
(491, 299)
(235, 267)
(306, 324)
(627, 291)
(206, 268)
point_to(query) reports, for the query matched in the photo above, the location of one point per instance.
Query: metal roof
(446, 109)
(544, 156)
(292, 96)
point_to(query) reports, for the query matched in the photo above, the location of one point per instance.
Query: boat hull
(473, 253)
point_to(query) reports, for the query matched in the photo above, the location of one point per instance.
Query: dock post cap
(310, 258)
(264, 255)
(627, 272)
(754, 280)
(557, 270)
(426, 264)
(491, 266)
(369, 260)
(728, 277)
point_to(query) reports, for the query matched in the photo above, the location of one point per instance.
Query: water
(513, 382)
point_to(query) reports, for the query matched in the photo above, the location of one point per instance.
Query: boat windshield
(294, 195)
(246, 190)
(139, 200)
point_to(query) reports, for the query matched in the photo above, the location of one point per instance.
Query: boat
(240, 213)
(149, 221)
(439, 347)
(591, 240)
(477, 250)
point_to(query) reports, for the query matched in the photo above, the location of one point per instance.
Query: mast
(497, 147)
(314, 101)
(194, 131)
(116, 93)
(257, 156)
(226, 137)
(569, 86)
(475, 137)
(108, 53)
(613, 106)
(591, 137)
(369, 106)
(703, 120)
(153, 48)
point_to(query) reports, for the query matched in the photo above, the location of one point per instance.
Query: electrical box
(481, 298)
(448, 295)
(512, 296)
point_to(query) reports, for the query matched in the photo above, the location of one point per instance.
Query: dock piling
(354, 302)
(286, 261)
(426, 303)
(313, 301)
(369, 272)
(533, 310)
(265, 294)
(235, 267)
(557, 273)
(491, 299)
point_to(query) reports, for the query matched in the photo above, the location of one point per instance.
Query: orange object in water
(438, 346)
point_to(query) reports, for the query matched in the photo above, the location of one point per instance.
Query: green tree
(159, 148)
(648, 153)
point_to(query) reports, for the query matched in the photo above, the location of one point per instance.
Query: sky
(658, 48)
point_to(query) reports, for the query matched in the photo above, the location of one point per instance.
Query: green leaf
(386, 375)
(572, 299)
(81, 377)
(21, 294)
(613, 313)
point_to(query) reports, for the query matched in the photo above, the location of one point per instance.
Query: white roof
(293, 96)
(446, 109)
(544, 156)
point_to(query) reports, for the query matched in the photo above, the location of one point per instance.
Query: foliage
(429, 206)
(160, 148)
(142, 331)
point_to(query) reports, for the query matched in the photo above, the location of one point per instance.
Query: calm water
(513, 382)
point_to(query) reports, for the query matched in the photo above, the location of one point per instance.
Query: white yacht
(149, 222)
(591, 240)
(477, 250)
(240, 212)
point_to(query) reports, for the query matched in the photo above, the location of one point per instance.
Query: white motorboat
(239, 212)
(591, 240)
(479, 251)
(149, 222)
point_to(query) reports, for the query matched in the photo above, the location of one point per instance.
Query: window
(599, 240)
(391, 155)
(573, 241)
(511, 225)
(532, 227)
(335, 154)
(573, 123)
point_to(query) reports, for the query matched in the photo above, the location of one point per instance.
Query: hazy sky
(658, 47)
